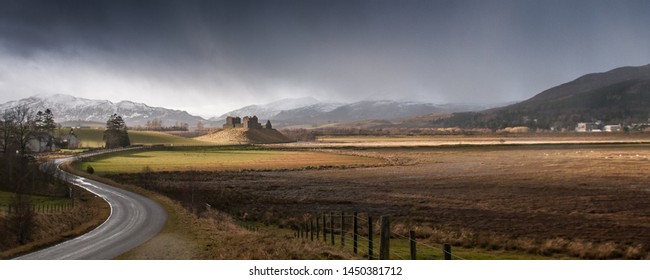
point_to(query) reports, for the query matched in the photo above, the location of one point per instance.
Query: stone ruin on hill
(247, 122)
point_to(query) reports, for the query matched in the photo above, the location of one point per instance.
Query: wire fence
(359, 233)
(48, 208)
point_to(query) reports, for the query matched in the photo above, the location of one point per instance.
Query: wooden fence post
(354, 232)
(324, 229)
(412, 242)
(384, 242)
(370, 234)
(317, 229)
(332, 227)
(311, 229)
(342, 229)
(447, 251)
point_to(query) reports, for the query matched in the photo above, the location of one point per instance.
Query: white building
(589, 126)
(613, 128)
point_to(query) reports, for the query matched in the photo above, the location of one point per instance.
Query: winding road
(134, 219)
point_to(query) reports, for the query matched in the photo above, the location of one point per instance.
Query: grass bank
(215, 235)
(56, 226)
(93, 138)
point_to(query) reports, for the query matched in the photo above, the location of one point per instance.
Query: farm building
(70, 140)
(589, 126)
(41, 142)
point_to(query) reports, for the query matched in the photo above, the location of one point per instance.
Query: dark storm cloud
(454, 51)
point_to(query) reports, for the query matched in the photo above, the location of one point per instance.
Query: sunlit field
(93, 138)
(221, 159)
(560, 201)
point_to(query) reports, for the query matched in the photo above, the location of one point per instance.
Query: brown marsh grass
(579, 201)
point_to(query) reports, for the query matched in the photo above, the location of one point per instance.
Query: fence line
(42, 208)
(329, 225)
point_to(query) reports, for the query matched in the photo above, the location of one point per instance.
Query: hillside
(92, 138)
(386, 111)
(237, 136)
(618, 96)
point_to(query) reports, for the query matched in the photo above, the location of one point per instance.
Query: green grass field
(218, 158)
(400, 250)
(6, 197)
(92, 138)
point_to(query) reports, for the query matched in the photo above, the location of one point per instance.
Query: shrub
(90, 169)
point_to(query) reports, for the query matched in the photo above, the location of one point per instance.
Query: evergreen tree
(116, 134)
(44, 121)
(48, 120)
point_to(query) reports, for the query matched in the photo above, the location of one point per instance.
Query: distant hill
(74, 110)
(618, 96)
(320, 113)
(238, 136)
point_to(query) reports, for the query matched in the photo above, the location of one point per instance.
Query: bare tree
(22, 218)
(23, 126)
(7, 127)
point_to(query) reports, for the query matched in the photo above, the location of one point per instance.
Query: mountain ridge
(618, 96)
(68, 108)
(304, 112)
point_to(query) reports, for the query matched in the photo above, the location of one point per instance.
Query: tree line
(20, 124)
(23, 176)
(157, 125)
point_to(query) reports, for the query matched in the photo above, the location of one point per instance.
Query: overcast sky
(209, 57)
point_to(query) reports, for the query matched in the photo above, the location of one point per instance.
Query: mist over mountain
(270, 110)
(369, 110)
(71, 110)
(619, 96)
(321, 112)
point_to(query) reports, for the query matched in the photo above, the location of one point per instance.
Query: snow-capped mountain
(286, 112)
(67, 108)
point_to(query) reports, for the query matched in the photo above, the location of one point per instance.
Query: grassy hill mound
(245, 136)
